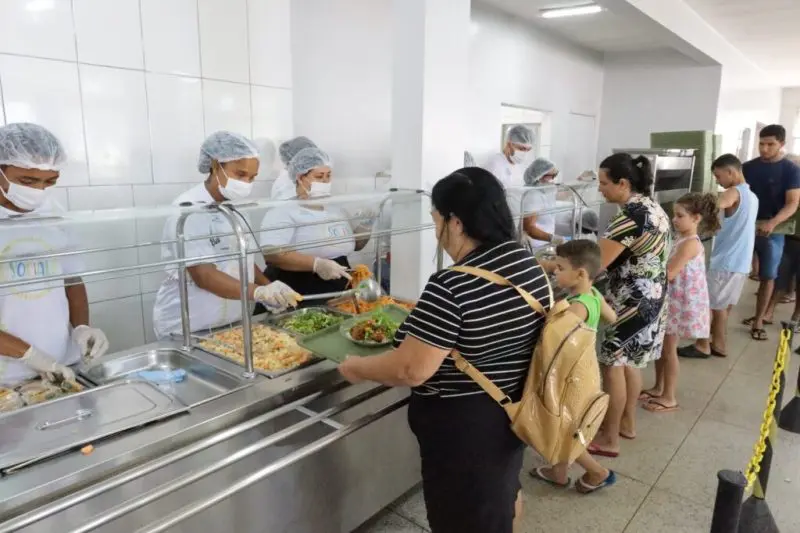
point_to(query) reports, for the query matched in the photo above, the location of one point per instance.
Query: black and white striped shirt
(491, 326)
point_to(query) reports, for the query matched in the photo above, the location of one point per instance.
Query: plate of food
(377, 329)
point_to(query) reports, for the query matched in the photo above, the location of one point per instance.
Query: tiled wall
(132, 87)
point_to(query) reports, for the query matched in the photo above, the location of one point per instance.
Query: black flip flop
(759, 334)
(717, 353)
(691, 352)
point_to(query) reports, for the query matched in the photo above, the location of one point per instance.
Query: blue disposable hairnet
(225, 146)
(520, 134)
(288, 149)
(537, 170)
(469, 161)
(27, 145)
(306, 160)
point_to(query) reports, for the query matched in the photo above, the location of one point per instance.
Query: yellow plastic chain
(754, 467)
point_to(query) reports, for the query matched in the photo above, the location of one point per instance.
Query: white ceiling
(605, 32)
(765, 31)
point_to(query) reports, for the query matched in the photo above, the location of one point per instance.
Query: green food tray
(331, 344)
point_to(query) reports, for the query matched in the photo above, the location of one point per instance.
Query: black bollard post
(756, 516)
(728, 505)
(790, 415)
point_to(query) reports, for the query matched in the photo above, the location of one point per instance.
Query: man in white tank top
(730, 257)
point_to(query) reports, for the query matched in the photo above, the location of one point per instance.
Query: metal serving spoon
(368, 291)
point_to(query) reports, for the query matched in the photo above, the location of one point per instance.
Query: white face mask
(26, 198)
(519, 157)
(319, 189)
(235, 189)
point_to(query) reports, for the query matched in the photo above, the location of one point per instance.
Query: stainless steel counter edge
(29, 488)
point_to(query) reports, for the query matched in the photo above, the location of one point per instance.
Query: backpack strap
(465, 366)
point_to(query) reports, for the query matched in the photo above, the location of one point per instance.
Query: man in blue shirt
(776, 183)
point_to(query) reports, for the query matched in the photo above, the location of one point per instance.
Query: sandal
(758, 334)
(627, 436)
(646, 396)
(600, 452)
(752, 319)
(655, 406)
(538, 473)
(787, 299)
(717, 353)
(691, 352)
(584, 488)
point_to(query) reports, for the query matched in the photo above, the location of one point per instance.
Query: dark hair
(582, 253)
(773, 130)
(637, 171)
(476, 197)
(706, 206)
(727, 161)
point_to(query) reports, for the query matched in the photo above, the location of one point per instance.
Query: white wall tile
(109, 32)
(272, 113)
(117, 136)
(226, 106)
(100, 197)
(161, 194)
(223, 40)
(41, 28)
(59, 194)
(176, 126)
(270, 42)
(48, 93)
(171, 38)
(121, 320)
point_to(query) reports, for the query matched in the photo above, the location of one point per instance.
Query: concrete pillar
(429, 127)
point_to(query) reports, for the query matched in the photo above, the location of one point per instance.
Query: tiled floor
(667, 476)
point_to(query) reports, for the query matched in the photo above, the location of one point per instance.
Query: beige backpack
(563, 403)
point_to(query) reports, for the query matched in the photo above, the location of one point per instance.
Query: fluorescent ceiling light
(572, 11)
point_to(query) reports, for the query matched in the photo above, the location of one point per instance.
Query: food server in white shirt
(519, 142)
(284, 188)
(323, 268)
(231, 163)
(43, 326)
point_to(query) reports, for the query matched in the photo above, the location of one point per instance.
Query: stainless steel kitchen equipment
(218, 450)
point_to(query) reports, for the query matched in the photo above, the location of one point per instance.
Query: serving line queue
(231, 164)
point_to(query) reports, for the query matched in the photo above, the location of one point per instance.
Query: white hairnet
(537, 170)
(27, 145)
(521, 135)
(469, 161)
(288, 149)
(306, 160)
(590, 221)
(225, 146)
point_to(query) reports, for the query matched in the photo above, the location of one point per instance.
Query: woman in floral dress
(635, 249)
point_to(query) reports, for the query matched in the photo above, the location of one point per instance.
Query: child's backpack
(563, 403)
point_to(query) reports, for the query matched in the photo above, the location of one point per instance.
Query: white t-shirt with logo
(283, 188)
(37, 313)
(536, 199)
(309, 225)
(203, 233)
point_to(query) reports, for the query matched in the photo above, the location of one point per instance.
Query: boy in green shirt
(576, 265)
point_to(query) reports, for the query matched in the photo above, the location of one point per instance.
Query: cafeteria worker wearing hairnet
(540, 175)
(284, 188)
(322, 268)
(43, 326)
(519, 141)
(230, 162)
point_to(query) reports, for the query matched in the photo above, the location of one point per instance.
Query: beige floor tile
(390, 522)
(664, 512)
(552, 510)
(783, 490)
(710, 447)
(412, 507)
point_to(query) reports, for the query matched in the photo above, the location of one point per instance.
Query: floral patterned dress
(637, 284)
(688, 315)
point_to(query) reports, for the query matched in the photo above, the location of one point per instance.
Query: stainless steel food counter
(303, 452)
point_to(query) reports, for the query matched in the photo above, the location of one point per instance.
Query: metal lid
(40, 431)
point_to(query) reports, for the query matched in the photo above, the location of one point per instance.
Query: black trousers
(471, 462)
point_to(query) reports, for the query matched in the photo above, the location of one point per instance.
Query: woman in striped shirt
(470, 458)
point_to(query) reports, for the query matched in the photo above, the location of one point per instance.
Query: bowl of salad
(377, 329)
(309, 321)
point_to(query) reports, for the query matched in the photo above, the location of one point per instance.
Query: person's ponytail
(643, 174)
(638, 172)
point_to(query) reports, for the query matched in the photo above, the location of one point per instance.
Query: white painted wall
(132, 87)
(742, 108)
(342, 83)
(647, 94)
(790, 108)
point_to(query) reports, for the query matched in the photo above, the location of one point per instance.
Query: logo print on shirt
(19, 268)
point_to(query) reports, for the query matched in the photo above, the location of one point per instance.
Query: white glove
(92, 342)
(43, 364)
(328, 269)
(277, 296)
(555, 240)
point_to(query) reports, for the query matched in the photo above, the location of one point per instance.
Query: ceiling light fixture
(571, 11)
